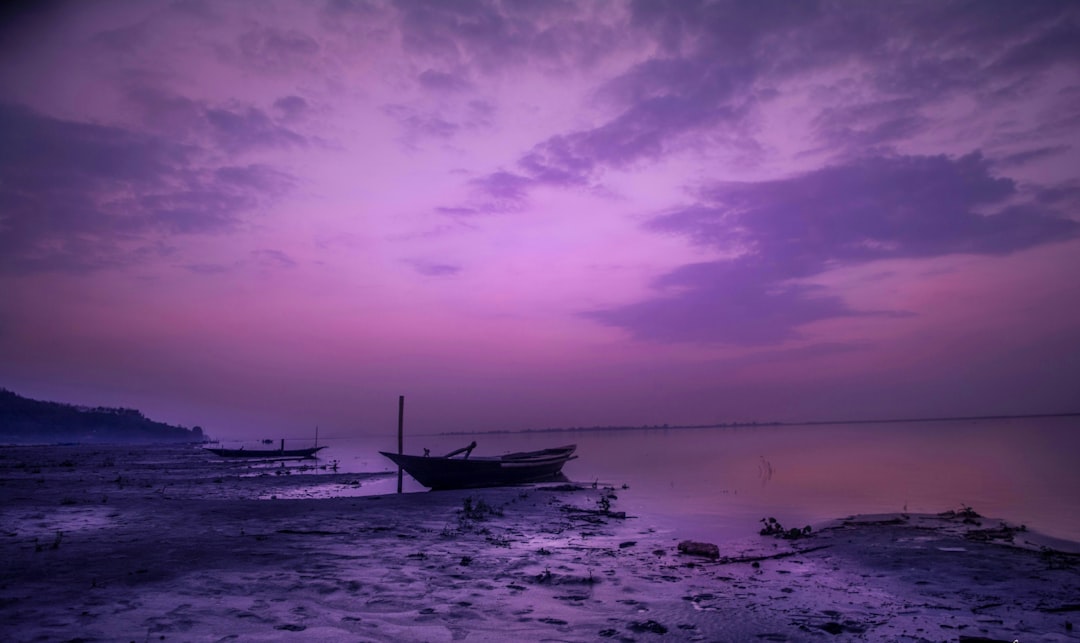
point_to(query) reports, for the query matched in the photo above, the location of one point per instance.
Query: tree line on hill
(24, 421)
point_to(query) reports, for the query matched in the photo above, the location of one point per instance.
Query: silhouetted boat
(513, 468)
(265, 453)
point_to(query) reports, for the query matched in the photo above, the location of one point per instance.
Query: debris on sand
(694, 548)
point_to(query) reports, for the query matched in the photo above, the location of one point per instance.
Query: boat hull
(467, 473)
(265, 453)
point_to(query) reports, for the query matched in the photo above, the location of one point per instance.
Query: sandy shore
(164, 543)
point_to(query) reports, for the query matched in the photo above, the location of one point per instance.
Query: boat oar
(466, 450)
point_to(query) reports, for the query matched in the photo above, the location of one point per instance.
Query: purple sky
(263, 216)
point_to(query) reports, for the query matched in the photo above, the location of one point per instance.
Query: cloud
(207, 268)
(438, 81)
(254, 178)
(292, 107)
(270, 258)
(456, 211)
(1024, 157)
(737, 302)
(434, 269)
(782, 232)
(234, 128)
(79, 196)
(278, 50)
(420, 125)
(503, 187)
(249, 128)
(493, 36)
(165, 112)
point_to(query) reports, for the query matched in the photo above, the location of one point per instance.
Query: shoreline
(103, 543)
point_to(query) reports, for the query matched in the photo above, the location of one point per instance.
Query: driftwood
(752, 559)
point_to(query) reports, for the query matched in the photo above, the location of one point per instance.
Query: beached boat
(447, 472)
(265, 453)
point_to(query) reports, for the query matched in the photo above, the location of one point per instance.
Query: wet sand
(166, 543)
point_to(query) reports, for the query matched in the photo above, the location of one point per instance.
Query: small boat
(266, 453)
(464, 473)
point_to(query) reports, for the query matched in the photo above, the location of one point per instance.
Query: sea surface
(718, 483)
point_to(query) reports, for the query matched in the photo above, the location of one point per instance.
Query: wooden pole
(400, 434)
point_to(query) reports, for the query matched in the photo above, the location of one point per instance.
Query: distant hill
(26, 421)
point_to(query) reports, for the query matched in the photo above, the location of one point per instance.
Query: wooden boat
(447, 472)
(265, 453)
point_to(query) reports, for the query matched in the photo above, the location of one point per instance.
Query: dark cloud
(269, 258)
(254, 178)
(439, 81)
(501, 191)
(197, 208)
(492, 36)
(1065, 197)
(662, 108)
(434, 269)
(124, 40)
(196, 8)
(233, 129)
(556, 162)
(274, 49)
(249, 128)
(419, 126)
(718, 60)
(791, 229)
(1056, 43)
(875, 208)
(165, 112)
(480, 112)
(1027, 156)
(738, 302)
(207, 268)
(291, 107)
(870, 125)
(78, 196)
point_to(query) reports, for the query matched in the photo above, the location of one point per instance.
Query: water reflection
(718, 483)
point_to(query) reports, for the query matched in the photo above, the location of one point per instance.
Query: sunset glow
(259, 217)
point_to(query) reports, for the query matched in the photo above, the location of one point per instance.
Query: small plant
(477, 510)
(772, 527)
(967, 512)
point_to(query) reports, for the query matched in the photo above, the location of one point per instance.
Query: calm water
(718, 483)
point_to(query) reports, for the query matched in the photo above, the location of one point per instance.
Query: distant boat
(265, 453)
(447, 472)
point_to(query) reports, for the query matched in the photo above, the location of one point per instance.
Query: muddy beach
(165, 543)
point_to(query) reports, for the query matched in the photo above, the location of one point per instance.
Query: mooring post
(400, 434)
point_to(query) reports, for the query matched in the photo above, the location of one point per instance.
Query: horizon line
(752, 423)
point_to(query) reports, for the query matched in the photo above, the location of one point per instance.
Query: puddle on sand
(44, 525)
(375, 485)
